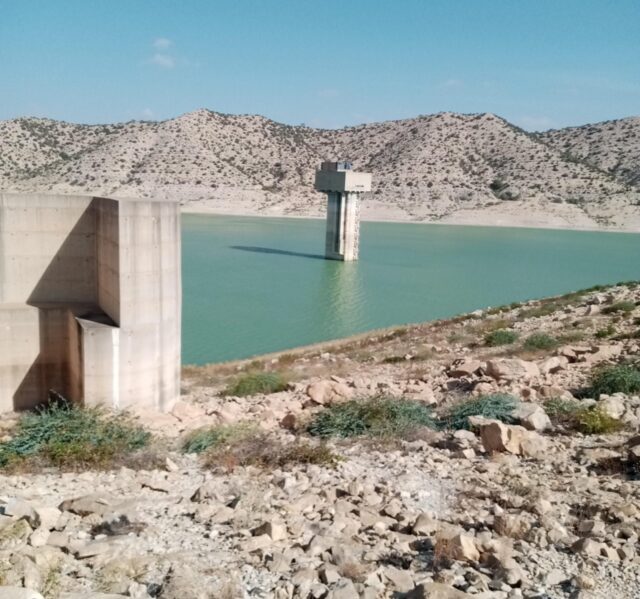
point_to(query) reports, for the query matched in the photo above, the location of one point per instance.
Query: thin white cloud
(162, 43)
(166, 61)
(147, 113)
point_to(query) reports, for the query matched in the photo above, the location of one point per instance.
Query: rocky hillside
(445, 167)
(612, 147)
(495, 456)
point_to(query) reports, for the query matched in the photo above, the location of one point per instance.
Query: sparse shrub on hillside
(540, 341)
(257, 382)
(500, 337)
(608, 331)
(203, 438)
(622, 378)
(596, 421)
(262, 451)
(72, 437)
(562, 411)
(619, 307)
(571, 415)
(498, 406)
(377, 417)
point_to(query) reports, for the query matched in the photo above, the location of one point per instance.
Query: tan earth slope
(475, 169)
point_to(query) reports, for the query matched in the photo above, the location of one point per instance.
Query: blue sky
(325, 63)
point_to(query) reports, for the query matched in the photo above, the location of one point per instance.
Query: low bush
(498, 406)
(608, 331)
(587, 420)
(377, 417)
(203, 438)
(261, 451)
(624, 307)
(500, 337)
(596, 421)
(622, 378)
(257, 382)
(540, 341)
(71, 437)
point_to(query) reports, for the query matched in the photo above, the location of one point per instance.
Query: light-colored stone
(532, 416)
(512, 369)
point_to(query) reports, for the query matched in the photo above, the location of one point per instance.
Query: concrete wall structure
(90, 301)
(343, 188)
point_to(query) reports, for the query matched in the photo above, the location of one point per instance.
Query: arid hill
(476, 169)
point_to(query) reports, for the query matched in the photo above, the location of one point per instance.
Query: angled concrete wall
(90, 301)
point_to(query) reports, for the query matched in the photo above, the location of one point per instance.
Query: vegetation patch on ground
(500, 337)
(589, 420)
(498, 406)
(72, 437)
(265, 452)
(621, 378)
(541, 341)
(376, 417)
(253, 383)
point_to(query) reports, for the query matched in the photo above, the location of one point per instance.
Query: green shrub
(608, 331)
(203, 438)
(540, 341)
(587, 420)
(257, 382)
(498, 406)
(69, 437)
(500, 337)
(596, 422)
(622, 378)
(378, 417)
(624, 306)
(562, 411)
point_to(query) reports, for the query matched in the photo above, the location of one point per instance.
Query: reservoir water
(257, 285)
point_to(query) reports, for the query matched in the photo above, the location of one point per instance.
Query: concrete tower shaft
(343, 188)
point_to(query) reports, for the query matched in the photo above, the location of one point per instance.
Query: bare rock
(532, 416)
(512, 369)
(328, 392)
(465, 367)
(499, 437)
(459, 546)
(7, 592)
(436, 590)
(553, 364)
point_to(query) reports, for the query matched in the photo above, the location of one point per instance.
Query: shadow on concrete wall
(68, 282)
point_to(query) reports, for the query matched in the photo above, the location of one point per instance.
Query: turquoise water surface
(256, 285)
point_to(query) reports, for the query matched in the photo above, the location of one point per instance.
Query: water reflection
(344, 297)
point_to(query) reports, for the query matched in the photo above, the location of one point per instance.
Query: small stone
(277, 531)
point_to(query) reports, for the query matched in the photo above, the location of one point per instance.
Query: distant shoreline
(513, 224)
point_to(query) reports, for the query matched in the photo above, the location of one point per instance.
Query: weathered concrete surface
(90, 301)
(343, 188)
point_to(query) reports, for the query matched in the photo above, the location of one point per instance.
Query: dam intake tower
(343, 187)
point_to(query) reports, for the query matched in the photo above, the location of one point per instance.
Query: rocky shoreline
(544, 503)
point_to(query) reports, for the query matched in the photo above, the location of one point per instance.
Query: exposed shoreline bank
(483, 220)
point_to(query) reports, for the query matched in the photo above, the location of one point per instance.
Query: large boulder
(512, 369)
(532, 416)
(499, 437)
(328, 392)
